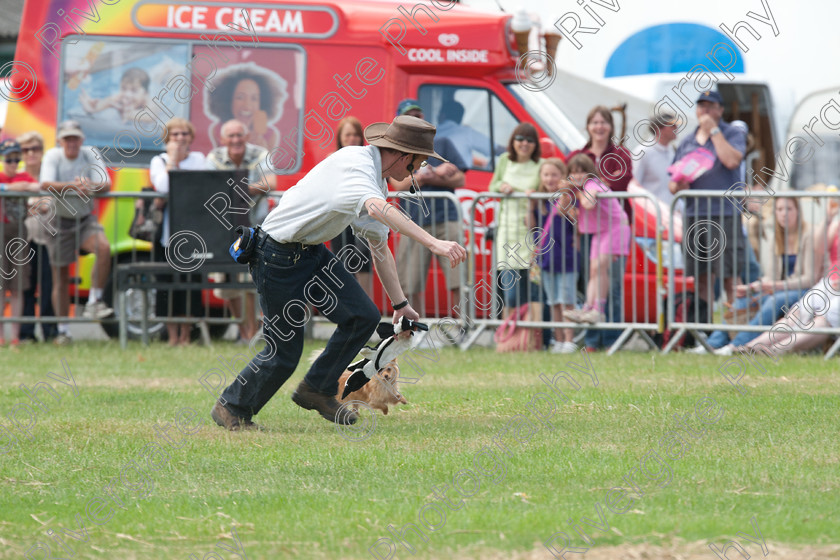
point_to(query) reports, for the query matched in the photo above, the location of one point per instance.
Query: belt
(264, 239)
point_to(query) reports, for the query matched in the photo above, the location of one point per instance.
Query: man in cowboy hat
(291, 266)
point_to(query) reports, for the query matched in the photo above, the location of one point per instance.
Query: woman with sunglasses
(32, 150)
(12, 214)
(178, 137)
(517, 171)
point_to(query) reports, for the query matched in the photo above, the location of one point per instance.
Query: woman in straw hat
(291, 267)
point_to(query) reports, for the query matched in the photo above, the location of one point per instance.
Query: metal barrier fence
(795, 259)
(635, 286)
(633, 283)
(115, 214)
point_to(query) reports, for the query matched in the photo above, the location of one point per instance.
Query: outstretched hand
(449, 249)
(87, 103)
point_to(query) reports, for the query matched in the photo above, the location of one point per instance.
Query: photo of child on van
(251, 95)
(132, 96)
(107, 85)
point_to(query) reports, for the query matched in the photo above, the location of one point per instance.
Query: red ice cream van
(290, 72)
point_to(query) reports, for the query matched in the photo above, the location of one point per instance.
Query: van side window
(476, 121)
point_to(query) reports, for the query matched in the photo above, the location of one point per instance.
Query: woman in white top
(178, 137)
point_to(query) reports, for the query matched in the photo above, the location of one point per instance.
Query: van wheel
(134, 306)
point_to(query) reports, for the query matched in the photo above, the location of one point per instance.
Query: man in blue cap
(712, 223)
(410, 107)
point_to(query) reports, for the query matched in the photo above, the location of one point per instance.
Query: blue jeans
(719, 339)
(771, 308)
(286, 280)
(613, 311)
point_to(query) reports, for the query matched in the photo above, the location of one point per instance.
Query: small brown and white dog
(382, 390)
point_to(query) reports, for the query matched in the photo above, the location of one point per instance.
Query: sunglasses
(524, 139)
(12, 160)
(33, 149)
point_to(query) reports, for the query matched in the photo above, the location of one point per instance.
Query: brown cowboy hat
(406, 134)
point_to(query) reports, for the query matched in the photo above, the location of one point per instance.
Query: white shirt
(160, 180)
(331, 197)
(57, 168)
(651, 171)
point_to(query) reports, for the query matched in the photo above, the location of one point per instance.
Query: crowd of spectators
(58, 229)
(61, 226)
(591, 236)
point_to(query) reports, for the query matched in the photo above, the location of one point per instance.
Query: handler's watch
(715, 130)
(400, 305)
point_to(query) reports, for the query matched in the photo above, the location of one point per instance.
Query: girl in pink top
(606, 220)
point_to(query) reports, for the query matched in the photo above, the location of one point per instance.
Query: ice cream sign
(272, 20)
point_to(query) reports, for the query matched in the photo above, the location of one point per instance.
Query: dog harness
(374, 359)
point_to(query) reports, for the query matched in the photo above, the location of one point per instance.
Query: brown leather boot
(223, 417)
(327, 406)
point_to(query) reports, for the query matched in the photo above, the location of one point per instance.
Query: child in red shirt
(12, 215)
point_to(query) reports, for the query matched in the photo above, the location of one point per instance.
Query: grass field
(301, 490)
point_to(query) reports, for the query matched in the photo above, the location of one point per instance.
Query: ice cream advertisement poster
(122, 81)
(136, 85)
